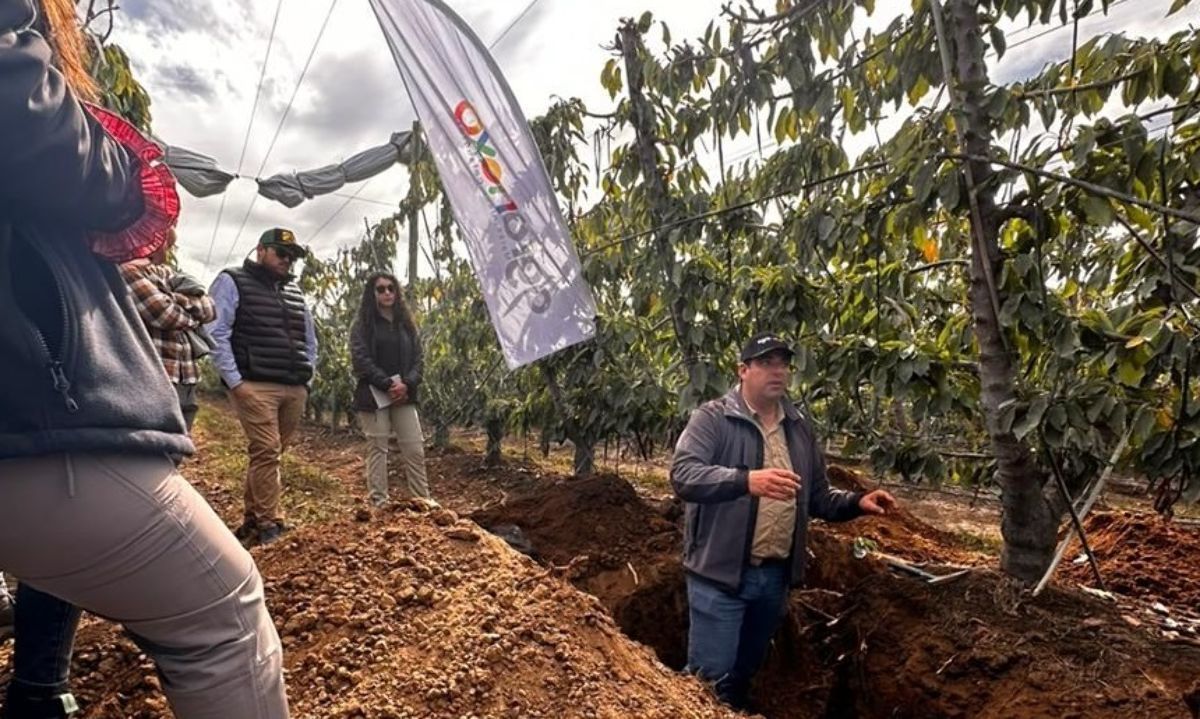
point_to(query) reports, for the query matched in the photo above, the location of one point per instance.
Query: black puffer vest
(269, 342)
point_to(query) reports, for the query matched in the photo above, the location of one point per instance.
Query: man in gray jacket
(750, 471)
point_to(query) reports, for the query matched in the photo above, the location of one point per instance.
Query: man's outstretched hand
(877, 502)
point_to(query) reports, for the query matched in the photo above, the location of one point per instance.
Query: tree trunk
(585, 444)
(441, 436)
(658, 195)
(585, 458)
(1030, 522)
(495, 436)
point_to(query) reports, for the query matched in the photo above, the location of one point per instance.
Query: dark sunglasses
(385, 289)
(285, 255)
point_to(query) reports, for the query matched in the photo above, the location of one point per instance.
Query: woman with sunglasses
(386, 351)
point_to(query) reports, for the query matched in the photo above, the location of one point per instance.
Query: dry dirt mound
(421, 615)
(899, 532)
(1143, 556)
(600, 517)
(617, 546)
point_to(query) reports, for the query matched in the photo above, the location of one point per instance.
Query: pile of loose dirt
(626, 550)
(899, 532)
(418, 614)
(600, 517)
(1143, 556)
(617, 546)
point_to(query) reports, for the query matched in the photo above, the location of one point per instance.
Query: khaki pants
(127, 538)
(402, 422)
(270, 414)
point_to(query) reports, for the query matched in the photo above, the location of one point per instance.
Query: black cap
(765, 343)
(282, 239)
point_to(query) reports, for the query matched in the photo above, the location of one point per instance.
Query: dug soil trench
(860, 642)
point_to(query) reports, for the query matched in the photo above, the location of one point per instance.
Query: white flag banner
(494, 178)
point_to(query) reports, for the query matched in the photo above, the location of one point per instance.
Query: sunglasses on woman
(385, 289)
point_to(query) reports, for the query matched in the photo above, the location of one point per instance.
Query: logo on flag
(494, 178)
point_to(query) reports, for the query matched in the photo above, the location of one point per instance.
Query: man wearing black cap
(265, 351)
(751, 473)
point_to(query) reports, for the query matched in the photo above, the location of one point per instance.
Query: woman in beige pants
(92, 510)
(386, 351)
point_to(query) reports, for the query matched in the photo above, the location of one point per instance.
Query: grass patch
(311, 494)
(988, 544)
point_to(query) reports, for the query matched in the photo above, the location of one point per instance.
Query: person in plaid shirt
(174, 308)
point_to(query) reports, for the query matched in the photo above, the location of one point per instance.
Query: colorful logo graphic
(524, 269)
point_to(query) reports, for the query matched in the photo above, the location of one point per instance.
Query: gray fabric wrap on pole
(293, 188)
(197, 173)
(201, 176)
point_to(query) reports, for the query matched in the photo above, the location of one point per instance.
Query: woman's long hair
(59, 24)
(367, 311)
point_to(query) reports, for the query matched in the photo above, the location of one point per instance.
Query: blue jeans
(44, 637)
(730, 632)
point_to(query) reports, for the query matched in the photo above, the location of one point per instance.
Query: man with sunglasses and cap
(750, 472)
(265, 351)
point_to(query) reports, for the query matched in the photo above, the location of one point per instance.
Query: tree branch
(940, 263)
(796, 12)
(740, 206)
(1164, 110)
(1068, 89)
(1090, 187)
(1174, 276)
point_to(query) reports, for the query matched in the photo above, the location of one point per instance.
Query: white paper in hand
(382, 398)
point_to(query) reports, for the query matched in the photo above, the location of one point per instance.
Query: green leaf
(825, 227)
(1098, 210)
(1066, 342)
(948, 191)
(919, 89)
(999, 44)
(1057, 417)
(1151, 329)
(1032, 417)
(923, 183)
(1130, 373)
(1143, 425)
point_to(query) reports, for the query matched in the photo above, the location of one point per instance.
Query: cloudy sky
(200, 60)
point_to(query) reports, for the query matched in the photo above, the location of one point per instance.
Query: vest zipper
(62, 385)
(53, 362)
(287, 323)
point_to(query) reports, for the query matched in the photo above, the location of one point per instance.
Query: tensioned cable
(262, 74)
